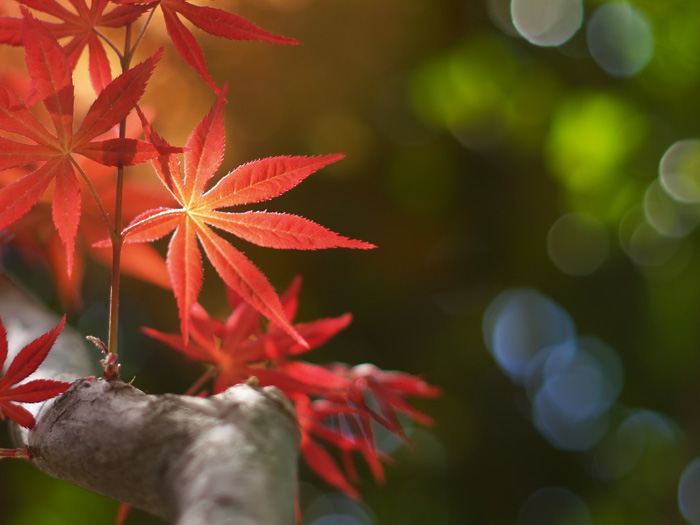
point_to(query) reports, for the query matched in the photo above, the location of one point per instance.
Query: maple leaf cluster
(81, 26)
(58, 175)
(32, 156)
(336, 404)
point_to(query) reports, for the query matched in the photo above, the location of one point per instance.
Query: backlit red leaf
(14, 154)
(66, 207)
(224, 24)
(51, 74)
(81, 26)
(185, 267)
(10, 31)
(18, 198)
(189, 349)
(50, 70)
(280, 230)
(236, 270)
(116, 100)
(16, 118)
(151, 225)
(204, 150)
(113, 152)
(186, 44)
(99, 67)
(215, 22)
(264, 179)
(256, 181)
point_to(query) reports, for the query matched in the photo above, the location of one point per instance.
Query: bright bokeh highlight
(547, 22)
(679, 170)
(667, 215)
(519, 324)
(620, 39)
(572, 381)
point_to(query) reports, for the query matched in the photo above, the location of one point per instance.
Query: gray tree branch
(226, 459)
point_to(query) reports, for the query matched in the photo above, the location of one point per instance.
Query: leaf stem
(118, 237)
(110, 44)
(117, 243)
(130, 52)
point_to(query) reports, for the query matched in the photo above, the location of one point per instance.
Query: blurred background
(530, 170)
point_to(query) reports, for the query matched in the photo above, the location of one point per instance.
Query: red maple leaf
(24, 364)
(387, 389)
(343, 419)
(82, 26)
(214, 21)
(311, 416)
(335, 404)
(199, 210)
(34, 234)
(51, 155)
(239, 348)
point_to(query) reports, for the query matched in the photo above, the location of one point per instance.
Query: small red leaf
(315, 333)
(165, 165)
(31, 356)
(24, 364)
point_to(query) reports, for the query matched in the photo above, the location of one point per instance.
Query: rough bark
(226, 459)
